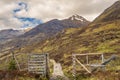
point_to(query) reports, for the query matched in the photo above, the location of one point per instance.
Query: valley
(61, 39)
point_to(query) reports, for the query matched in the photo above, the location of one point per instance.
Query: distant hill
(8, 34)
(54, 26)
(45, 31)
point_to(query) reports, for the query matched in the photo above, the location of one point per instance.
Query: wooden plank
(17, 63)
(37, 56)
(31, 70)
(36, 61)
(97, 65)
(39, 73)
(37, 66)
(87, 54)
(34, 64)
(37, 70)
(83, 66)
(102, 58)
(87, 59)
(74, 67)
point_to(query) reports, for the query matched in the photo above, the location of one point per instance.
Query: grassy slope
(104, 39)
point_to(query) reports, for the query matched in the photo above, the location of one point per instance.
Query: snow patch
(77, 17)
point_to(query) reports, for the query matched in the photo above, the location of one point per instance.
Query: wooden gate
(38, 63)
(87, 64)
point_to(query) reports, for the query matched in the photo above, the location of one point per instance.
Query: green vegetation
(104, 39)
(108, 75)
(12, 65)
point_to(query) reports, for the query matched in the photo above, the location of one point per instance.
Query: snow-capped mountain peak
(77, 17)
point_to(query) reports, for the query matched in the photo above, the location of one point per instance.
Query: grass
(104, 39)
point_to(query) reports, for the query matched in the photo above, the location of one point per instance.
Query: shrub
(12, 65)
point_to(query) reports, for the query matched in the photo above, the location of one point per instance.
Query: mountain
(45, 31)
(54, 26)
(27, 29)
(110, 14)
(8, 34)
(102, 35)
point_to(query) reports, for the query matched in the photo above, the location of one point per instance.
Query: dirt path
(58, 72)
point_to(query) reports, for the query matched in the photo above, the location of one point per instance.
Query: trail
(58, 72)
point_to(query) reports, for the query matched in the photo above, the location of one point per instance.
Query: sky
(21, 14)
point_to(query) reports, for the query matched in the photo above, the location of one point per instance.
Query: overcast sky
(19, 14)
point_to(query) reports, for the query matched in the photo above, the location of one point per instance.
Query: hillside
(45, 31)
(8, 34)
(100, 36)
(53, 27)
(110, 14)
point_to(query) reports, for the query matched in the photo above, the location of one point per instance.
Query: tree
(12, 64)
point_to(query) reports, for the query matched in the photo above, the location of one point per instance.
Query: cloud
(50, 9)
(16, 14)
(29, 22)
(21, 6)
(10, 23)
(25, 19)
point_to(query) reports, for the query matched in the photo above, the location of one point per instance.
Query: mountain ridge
(44, 31)
(8, 34)
(57, 24)
(109, 14)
